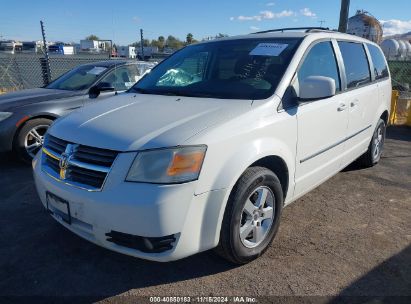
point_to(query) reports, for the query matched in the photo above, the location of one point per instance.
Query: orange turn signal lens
(186, 163)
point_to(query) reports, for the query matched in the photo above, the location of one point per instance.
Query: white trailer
(126, 51)
(10, 46)
(147, 52)
(92, 46)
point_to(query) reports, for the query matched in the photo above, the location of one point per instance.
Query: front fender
(229, 169)
(227, 173)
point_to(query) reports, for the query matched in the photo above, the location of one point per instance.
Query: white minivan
(208, 148)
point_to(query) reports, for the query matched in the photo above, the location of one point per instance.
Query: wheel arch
(30, 118)
(384, 116)
(278, 166)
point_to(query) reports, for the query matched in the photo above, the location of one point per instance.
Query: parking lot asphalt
(351, 236)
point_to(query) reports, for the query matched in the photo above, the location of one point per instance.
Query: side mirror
(95, 91)
(316, 87)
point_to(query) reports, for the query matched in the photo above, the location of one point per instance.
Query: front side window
(380, 66)
(227, 69)
(78, 79)
(356, 65)
(122, 78)
(320, 61)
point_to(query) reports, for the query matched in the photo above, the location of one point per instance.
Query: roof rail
(306, 29)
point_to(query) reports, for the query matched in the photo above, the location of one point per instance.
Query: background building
(363, 24)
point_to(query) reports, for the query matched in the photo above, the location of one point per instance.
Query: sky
(120, 21)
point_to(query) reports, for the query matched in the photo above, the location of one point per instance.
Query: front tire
(252, 216)
(30, 138)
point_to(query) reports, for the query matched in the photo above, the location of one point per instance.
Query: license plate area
(59, 207)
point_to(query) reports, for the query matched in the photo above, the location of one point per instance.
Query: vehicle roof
(112, 63)
(318, 34)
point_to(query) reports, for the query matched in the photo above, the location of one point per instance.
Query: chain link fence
(401, 83)
(401, 77)
(26, 71)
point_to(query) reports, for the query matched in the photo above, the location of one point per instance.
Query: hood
(130, 122)
(25, 97)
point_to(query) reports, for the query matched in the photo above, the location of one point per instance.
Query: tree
(92, 37)
(161, 42)
(146, 42)
(189, 38)
(174, 42)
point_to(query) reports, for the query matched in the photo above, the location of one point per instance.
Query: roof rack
(306, 29)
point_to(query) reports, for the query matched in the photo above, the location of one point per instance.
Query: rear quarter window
(378, 60)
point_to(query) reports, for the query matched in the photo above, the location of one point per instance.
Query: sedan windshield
(78, 79)
(228, 69)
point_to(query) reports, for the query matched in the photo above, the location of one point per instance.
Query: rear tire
(375, 148)
(252, 216)
(30, 138)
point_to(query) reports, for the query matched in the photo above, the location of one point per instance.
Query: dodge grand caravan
(206, 150)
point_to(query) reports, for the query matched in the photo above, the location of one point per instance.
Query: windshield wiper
(140, 90)
(175, 93)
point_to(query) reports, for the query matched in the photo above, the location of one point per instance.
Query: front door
(322, 124)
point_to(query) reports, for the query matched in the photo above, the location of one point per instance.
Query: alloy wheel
(378, 142)
(257, 217)
(34, 139)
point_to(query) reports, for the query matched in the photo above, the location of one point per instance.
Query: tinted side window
(356, 65)
(380, 67)
(320, 61)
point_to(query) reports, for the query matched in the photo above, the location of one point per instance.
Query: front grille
(83, 166)
(56, 144)
(144, 244)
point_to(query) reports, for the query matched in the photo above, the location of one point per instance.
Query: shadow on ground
(386, 281)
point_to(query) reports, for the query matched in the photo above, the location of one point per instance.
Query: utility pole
(345, 8)
(46, 63)
(142, 44)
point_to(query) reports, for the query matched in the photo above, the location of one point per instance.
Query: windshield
(230, 69)
(78, 79)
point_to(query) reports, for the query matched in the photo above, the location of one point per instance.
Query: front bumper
(145, 210)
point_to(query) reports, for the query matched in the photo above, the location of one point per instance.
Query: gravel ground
(349, 237)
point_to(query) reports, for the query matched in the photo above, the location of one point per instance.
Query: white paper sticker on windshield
(268, 49)
(97, 70)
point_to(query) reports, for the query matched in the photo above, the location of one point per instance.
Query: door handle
(354, 103)
(342, 107)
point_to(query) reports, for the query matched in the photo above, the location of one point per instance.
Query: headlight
(167, 166)
(4, 115)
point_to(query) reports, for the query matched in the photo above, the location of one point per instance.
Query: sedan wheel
(34, 139)
(30, 138)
